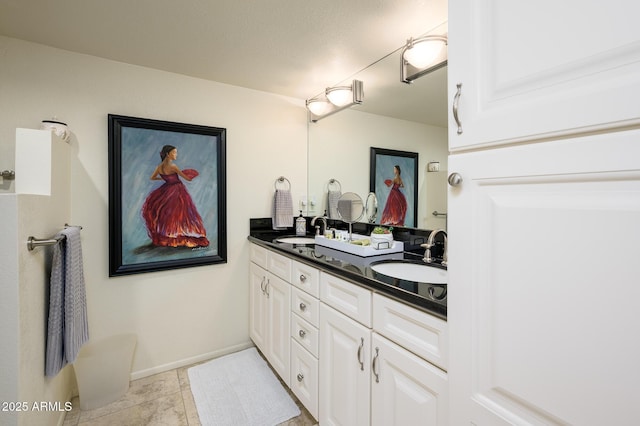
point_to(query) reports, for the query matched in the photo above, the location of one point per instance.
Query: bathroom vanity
(356, 347)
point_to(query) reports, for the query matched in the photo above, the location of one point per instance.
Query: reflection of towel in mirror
(333, 197)
(344, 208)
(282, 209)
(67, 326)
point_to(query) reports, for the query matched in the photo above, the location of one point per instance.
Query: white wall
(183, 315)
(9, 312)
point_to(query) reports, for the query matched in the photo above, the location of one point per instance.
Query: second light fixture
(335, 99)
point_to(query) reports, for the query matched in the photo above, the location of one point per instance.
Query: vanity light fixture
(334, 99)
(423, 55)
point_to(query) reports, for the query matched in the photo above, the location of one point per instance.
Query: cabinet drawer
(279, 265)
(348, 298)
(258, 255)
(305, 334)
(304, 378)
(306, 278)
(305, 306)
(415, 330)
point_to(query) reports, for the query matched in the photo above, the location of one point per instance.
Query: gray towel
(67, 328)
(282, 209)
(333, 203)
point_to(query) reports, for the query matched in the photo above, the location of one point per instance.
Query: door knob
(455, 179)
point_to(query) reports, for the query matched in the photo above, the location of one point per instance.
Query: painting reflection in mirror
(394, 180)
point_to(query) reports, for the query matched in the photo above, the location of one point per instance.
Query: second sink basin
(296, 240)
(418, 272)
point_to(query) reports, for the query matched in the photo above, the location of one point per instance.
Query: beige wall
(183, 315)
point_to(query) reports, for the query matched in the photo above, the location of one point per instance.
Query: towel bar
(33, 242)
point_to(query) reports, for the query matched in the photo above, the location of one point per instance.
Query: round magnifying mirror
(371, 207)
(350, 207)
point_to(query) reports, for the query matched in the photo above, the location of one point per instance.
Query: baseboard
(188, 361)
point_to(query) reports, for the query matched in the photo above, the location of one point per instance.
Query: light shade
(318, 106)
(340, 95)
(334, 99)
(423, 55)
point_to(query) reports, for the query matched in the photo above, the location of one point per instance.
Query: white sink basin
(296, 240)
(417, 272)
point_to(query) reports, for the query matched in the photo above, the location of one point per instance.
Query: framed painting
(394, 180)
(167, 195)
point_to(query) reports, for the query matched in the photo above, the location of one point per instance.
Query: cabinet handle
(300, 376)
(360, 360)
(302, 333)
(456, 99)
(266, 288)
(373, 366)
(302, 306)
(262, 284)
(454, 179)
(303, 278)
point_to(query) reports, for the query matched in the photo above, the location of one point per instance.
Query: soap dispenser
(301, 225)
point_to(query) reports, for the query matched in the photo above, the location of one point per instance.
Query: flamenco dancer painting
(169, 213)
(395, 208)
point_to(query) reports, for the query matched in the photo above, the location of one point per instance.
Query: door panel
(543, 282)
(344, 380)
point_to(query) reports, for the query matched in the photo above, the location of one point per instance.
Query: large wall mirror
(394, 116)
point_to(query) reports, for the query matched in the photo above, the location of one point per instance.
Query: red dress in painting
(396, 207)
(171, 216)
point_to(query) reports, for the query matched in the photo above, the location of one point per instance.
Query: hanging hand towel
(333, 197)
(67, 326)
(282, 209)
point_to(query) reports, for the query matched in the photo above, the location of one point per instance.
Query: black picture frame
(153, 218)
(383, 163)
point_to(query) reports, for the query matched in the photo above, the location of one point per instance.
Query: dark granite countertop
(431, 298)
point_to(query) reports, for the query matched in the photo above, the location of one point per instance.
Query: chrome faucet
(431, 242)
(324, 221)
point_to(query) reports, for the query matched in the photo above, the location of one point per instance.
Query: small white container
(57, 127)
(381, 241)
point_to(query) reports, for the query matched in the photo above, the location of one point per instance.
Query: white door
(405, 389)
(258, 306)
(345, 347)
(544, 283)
(279, 296)
(538, 69)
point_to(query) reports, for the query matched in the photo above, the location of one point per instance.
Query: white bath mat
(240, 389)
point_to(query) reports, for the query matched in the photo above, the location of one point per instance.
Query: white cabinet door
(532, 70)
(543, 282)
(406, 390)
(278, 352)
(258, 306)
(345, 374)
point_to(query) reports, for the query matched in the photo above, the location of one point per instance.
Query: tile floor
(161, 399)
